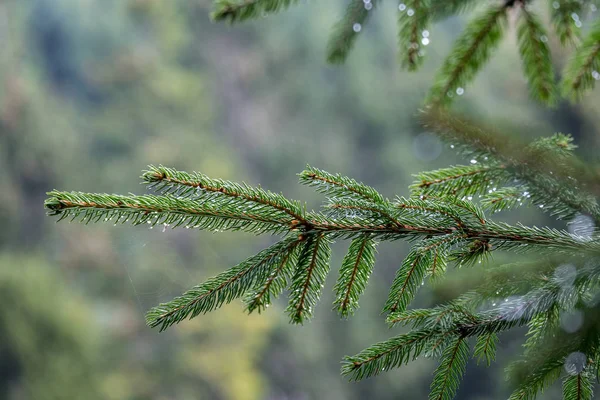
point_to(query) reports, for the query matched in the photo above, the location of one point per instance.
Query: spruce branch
(499, 317)
(452, 211)
(449, 317)
(355, 210)
(582, 70)
(200, 187)
(535, 53)
(538, 380)
(444, 8)
(578, 387)
(476, 253)
(443, 324)
(472, 140)
(347, 29)
(338, 186)
(408, 279)
(309, 278)
(443, 226)
(221, 289)
(449, 373)
(356, 269)
(562, 19)
(517, 310)
(530, 297)
(500, 235)
(559, 145)
(413, 22)
(485, 348)
(540, 327)
(437, 329)
(557, 351)
(546, 168)
(504, 198)
(414, 317)
(440, 217)
(459, 181)
(167, 210)
(505, 280)
(412, 273)
(471, 50)
(234, 11)
(541, 368)
(388, 354)
(409, 217)
(263, 293)
(439, 259)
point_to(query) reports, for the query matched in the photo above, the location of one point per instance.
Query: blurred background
(92, 91)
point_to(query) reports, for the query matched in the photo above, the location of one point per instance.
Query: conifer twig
(347, 29)
(469, 54)
(413, 34)
(562, 19)
(240, 10)
(535, 53)
(582, 71)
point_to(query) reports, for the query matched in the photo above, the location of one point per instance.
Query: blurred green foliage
(51, 344)
(93, 91)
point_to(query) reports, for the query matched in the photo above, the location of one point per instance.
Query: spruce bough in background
(441, 217)
(473, 48)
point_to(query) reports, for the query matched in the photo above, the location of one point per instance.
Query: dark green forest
(93, 91)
